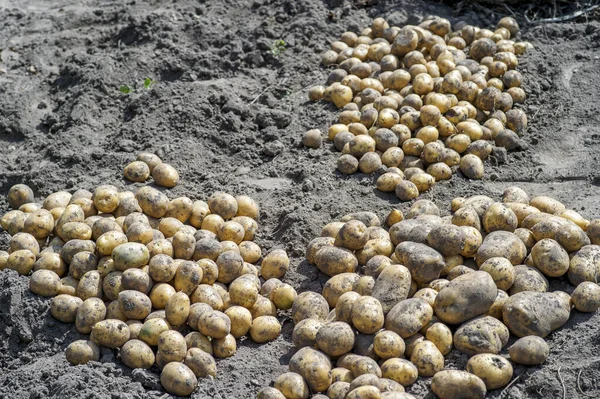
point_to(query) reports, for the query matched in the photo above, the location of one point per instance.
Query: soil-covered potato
(292, 385)
(536, 313)
(337, 285)
(110, 333)
(441, 336)
(334, 260)
(136, 305)
(494, 370)
(275, 264)
(550, 257)
(45, 283)
(214, 324)
(503, 244)
(388, 344)
(137, 354)
(82, 351)
(400, 370)
(586, 297)
(467, 296)
(425, 263)
(528, 279)
(137, 171)
(367, 315)
(483, 334)
(407, 317)
(499, 217)
(151, 330)
(335, 338)
(451, 384)
(428, 359)
(529, 351)
(501, 270)
(265, 329)
(178, 379)
(64, 307)
(392, 286)
(309, 305)
(584, 265)
(90, 312)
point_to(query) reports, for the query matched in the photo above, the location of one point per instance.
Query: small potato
(64, 307)
(178, 379)
(90, 312)
(406, 190)
(82, 351)
(450, 384)
(283, 296)
(586, 297)
(136, 305)
(495, 371)
(152, 329)
(265, 329)
(502, 244)
(367, 315)
(275, 264)
(137, 171)
(352, 235)
(22, 261)
(335, 338)
(20, 194)
(292, 385)
(214, 324)
(400, 370)
(137, 354)
(44, 283)
(529, 351)
(441, 336)
(24, 241)
(388, 344)
(471, 166)
(187, 277)
(172, 347)
(243, 291)
(110, 333)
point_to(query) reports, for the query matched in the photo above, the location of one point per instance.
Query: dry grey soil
(229, 115)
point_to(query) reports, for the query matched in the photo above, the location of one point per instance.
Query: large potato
(178, 379)
(424, 263)
(503, 244)
(408, 317)
(495, 371)
(536, 313)
(392, 286)
(82, 351)
(367, 315)
(453, 384)
(483, 334)
(45, 283)
(334, 260)
(550, 258)
(110, 333)
(428, 359)
(529, 351)
(309, 305)
(137, 354)
(585, 265)
(466, 296)
(335, 338)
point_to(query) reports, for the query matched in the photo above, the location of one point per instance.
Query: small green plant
(148, 83)
(278, 47)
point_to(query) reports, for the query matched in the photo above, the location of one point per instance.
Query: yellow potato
(82, 351)
(137, 354)
(110, 333)
(495, 371)
(178, 379)
(264, 329)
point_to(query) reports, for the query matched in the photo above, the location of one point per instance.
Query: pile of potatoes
(171, 283)
(400, 299)
(420, 101)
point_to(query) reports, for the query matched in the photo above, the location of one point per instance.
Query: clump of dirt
(229, 113)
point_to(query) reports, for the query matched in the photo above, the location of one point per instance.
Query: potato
(407, 317)
(471, 166)
(110, 333)
(571, 237)
(270, 392)
(44, 283)
(584, 265)
(465, 297)
(392, 286)
(90, 312)
(136, 279)
(152, 329)
(388, 344)
(20, 194)
(137, 171)
(495, 371)
(283, 296)
(483, 334)
(172, 347)
(136, 305)
(550, 258)
(501, 270)
(338, 285)
(428, 359)
(529, 351)
(214, 324)
(82, 351)
(64, 307)
(229, 265)
(21, 261)
(130, 255)
(106, 198)
(39, 223)
(424, 263)
(335, 338)
(177, 309)
(305, 333)
(501, 244)
(333, 261)
(400, 370)
(68, 285)
(515, 194)
(187, 277)
(264, 329)
(275, 264)
(165, 175)
(359, 365)
(292, 386)
(59, 199)
(178, 379)
(586, 297)
(367, 315)
(366, 392)
(528, 279)
(153, 202)
(441, 336)
(137, 354)
(536, 313)
(499, 217)
(90, 285)
(149, 159)
(451, 384)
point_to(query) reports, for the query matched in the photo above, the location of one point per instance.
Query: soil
(229, 114)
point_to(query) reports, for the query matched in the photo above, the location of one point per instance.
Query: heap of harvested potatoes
(420, 101)
(400, 299)
(168, 282)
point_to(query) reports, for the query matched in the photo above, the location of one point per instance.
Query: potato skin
(178, 379)
(335, 338)
(428, 359)
(465, 297)
(309, 305)
(265, 329)
(82, 351)
(408, 317)
(91, 311)
(292, 385)
(495, 371)
(451, 384)
(110, 333)
(529, 351)
(367, 315)
(536, 313)
(586, 297)
(137, 354)
(334, 260)
(483, 334)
